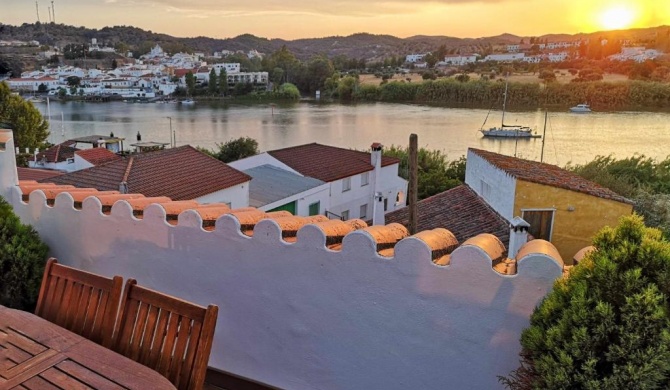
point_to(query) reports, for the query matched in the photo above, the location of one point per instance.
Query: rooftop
(271, 184)
(327, 163)
(181, 173)
(547, 174)
(57, 153)
(97, 156)
(458, 210)
(36, 174)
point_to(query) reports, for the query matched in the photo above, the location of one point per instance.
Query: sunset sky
(291, 19)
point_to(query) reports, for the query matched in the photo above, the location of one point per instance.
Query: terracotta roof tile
(458, 210)
(547, 174)
(36, 174)
(97, 156)
(57, 153)
(181, 173)
(327, 163)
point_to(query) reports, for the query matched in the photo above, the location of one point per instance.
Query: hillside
(361, 45)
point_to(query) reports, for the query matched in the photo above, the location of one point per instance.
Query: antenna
(53, 10)
(37, 9)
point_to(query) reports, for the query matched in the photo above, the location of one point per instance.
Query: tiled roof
(181, 173)
(327, 163)
(547, 174)
(36, 174)
(98, 156)
(58, 153)
(271, 184)
(458, 210)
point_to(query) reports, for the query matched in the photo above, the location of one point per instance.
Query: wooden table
(36, 354)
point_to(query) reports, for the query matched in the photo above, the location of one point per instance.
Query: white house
(460, 59)
(505, 57)
(412, 58)
(31, 84)
(359, 183)
(229, 67)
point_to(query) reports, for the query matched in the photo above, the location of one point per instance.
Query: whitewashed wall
(258, 160)
(300, 316)
(237, 196)
(319, 194)
(502, 187)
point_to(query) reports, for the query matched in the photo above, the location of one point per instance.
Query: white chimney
(518, 235)
(377, 195)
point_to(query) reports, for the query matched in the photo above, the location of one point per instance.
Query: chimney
(123, 187)
(518, 235)
(377, 196)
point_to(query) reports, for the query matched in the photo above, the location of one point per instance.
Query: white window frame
(553, 218)
(346, 184)
(363, 211)
(365, 179)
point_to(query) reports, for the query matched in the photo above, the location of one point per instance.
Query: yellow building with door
(560, 206)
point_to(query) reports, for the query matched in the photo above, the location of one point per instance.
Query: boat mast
(544, 135)
(504, 102)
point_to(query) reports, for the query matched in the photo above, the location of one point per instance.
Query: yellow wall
(572, 230)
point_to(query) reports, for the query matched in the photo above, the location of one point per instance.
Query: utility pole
(53, 11)
(172, 143)
(413, 182)
(37, 9)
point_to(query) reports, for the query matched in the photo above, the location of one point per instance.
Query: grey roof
(270, 184)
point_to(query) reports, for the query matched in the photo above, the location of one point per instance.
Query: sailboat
(508, 131)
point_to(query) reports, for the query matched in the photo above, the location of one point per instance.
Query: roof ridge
(128, 168)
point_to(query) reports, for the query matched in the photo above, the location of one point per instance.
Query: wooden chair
(80, 301)
(167, 334)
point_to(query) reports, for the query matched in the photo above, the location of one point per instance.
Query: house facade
(561, 207)
(353, 179)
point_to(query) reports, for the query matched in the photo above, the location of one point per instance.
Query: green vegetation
(234, 149)
(29, 127)
(607, 326)
(22, 259)
(436, 173)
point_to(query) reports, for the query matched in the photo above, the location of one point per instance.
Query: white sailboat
(508, 131)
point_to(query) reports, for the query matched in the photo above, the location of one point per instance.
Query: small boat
(581, 108)
(187, 101)
(35, 99)
(508, 131)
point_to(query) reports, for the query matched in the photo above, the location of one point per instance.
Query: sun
(617, 17)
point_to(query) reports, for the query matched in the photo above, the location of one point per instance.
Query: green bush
(607, 325)
(22, 259)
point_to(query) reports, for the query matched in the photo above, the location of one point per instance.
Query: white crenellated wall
(493, 185)
(300, 316)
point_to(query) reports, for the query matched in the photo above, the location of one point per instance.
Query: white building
(460, 59)
(412, 58)
(233, 67)
(505, 57)
(359, 183)
(32, 84)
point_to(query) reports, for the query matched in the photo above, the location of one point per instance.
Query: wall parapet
(309, 303)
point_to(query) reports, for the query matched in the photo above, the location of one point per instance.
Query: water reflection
(569, 137)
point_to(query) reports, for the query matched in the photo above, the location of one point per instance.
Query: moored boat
(508, 131)
(581, 108)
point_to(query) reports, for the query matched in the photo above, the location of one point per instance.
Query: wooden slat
(22, 341)
(204, 347)
(150, 333)
(87, 376)
(180, 348)
(175, 305)
(99, 318)
(138, 332)
(159, 339)
(126, 333)
(79, 321)
(73, 306)
(189, 359)
(63, 380)
(166, 355)
(28, 369)
(37, 383)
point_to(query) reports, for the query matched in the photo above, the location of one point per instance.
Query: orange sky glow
(319, 18)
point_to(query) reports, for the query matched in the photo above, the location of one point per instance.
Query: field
(562, 77)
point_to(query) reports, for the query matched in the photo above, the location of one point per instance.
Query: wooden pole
(413, 182)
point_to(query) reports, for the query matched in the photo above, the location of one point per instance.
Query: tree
(319, 69)
(547, 75)
(223, 81)
(190, 83)
(114, 64)
(236, 149)
(213, 84)
(73, 81)
(463, 78)
(607, 325)
(29, 127)
(22, 259)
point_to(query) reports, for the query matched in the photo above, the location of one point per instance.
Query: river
(575, 138)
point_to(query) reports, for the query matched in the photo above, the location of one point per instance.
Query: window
(386, 204)
(365, 178)
(485, 190)
(541, 223)
(345, 215)
(70, 160)
(364, 211)
(315, 208)
(346, 184)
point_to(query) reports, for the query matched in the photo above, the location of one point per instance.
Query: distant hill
(361, 45)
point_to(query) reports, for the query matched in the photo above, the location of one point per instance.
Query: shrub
(22, 259)
(607, 325)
